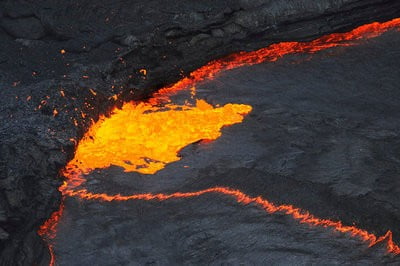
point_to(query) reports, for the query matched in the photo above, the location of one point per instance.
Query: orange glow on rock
(143, 71)
(240, 197)
(48, 231)
(144, 138)
(276, 51)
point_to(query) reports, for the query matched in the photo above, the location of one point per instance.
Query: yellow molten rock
(143, 138)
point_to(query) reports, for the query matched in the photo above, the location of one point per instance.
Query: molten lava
(240, 197)
(48, 230)
(276, 51)
(144, 137)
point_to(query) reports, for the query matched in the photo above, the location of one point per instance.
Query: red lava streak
(240, 197)
(48, 230)
(72, 187)
(276, 51)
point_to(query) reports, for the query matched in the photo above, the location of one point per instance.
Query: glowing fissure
(240, 197)
(109, 137)
(48, 230)
(274, 52)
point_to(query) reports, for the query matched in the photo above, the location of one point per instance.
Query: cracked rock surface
(48, 98)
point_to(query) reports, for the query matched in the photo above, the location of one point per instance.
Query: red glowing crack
(48, 230)
(240, 197)
(274, 52)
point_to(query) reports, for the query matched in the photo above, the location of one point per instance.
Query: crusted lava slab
(49, 97)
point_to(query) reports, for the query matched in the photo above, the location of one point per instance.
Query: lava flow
(48, 230)
(240, 197)
(276, 51)
(144, 137)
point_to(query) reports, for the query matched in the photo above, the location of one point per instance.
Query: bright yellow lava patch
(143, 138)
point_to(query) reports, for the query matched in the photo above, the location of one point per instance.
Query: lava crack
(297, 213)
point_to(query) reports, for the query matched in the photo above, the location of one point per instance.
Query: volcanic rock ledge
(49, 98)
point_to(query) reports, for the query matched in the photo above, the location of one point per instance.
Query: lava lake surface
(323, 136)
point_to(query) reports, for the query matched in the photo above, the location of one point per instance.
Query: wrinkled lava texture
(324, 130)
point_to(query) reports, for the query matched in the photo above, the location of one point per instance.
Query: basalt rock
(49, 97)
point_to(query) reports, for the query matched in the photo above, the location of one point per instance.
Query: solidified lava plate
(150, 152)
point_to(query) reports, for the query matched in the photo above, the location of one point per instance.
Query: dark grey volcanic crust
(109, 41)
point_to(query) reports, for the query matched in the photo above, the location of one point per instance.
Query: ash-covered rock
(48, 97)
(26, 28)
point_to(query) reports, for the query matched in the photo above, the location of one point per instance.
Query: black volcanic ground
(323, 136)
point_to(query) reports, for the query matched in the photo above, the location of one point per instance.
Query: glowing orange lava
(144, 137)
